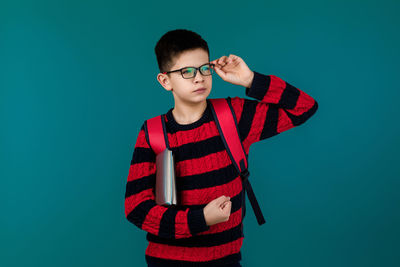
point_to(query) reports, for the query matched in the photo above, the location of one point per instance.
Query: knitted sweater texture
(178, 235)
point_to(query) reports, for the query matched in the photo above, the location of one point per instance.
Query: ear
(164, 80)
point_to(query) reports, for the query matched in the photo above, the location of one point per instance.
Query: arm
(141, 208)
(278, 107)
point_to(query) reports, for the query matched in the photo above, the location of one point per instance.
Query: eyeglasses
(190, 72)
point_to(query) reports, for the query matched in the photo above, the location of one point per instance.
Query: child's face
(184, 89)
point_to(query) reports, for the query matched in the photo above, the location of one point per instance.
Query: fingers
(221, 62)
(223, 205)
(224, 60)
(220, 72)
(222, 199)
(227, 206)
(225, 201)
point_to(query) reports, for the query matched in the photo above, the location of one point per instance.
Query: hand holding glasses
(190, 72)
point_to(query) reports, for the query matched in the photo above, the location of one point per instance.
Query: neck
(186, 114)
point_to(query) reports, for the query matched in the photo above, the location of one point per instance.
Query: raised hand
(234, 70)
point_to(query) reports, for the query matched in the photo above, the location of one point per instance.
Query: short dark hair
(175, 42)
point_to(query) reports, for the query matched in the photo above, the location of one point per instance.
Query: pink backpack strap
(156, 134)
(225, 120)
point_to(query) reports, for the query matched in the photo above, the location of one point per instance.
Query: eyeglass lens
(190, 71)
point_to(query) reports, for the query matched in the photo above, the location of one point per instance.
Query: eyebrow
(194, 66)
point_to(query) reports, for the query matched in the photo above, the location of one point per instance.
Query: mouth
(202, 89)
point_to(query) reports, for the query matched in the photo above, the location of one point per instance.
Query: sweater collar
(182, 127)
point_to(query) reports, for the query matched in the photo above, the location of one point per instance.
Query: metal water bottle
(165, 179)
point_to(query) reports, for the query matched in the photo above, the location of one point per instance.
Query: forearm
(278, 107)
(271, 89)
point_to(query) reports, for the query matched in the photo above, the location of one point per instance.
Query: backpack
(225, 119)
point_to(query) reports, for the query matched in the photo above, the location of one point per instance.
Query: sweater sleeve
(278, 107)
(140, 207)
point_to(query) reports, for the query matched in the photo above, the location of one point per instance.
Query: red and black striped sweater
(179, 235)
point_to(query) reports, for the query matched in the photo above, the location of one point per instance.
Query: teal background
(78, 78)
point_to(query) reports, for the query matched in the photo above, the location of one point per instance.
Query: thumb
(220, 72)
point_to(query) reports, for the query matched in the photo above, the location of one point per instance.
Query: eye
(205, 67)
(187, 70)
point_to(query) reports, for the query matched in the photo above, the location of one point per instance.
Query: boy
(205, 228)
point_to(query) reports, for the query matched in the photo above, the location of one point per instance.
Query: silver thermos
(165, 179)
